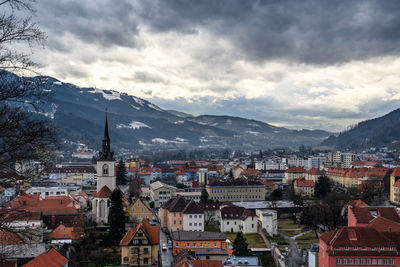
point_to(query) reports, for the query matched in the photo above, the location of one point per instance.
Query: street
(166, 256)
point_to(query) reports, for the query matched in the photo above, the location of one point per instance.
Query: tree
(260, 154)
(180, 186)
(121, 178)
(135, 187)
(116, 218)
(276, 194)
(204, 196)
(322, 186)
(240, 247)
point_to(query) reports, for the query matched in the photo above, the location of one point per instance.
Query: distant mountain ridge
(78, 113)
(381, 131)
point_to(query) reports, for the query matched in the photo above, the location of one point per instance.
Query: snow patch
(253, 133)
(154, 107)
(57, 83)
(109, 95)
(179, 139)
(133, 125)
(50, 114)
(96, 99)
(179, 122)
(160, 140)
(135, 107)
(229, 122)
(254, 124)
(138, 100)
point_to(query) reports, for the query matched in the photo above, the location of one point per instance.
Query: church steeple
(106, 154)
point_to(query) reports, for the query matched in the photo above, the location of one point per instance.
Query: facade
(233, 261)
(161, 193)
(64, 234)
(71, 175)
(139, 211)
(350, 178)
(181, 214)
(304, 188)
(236, 190)
(139, 246)
(50, 258)
(268, 220)
(198, 241)
(237, 219)
(395, 186)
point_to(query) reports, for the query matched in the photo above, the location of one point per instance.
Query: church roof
(104, 192)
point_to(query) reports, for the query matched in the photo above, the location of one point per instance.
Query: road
(294, 259)
(166, 256)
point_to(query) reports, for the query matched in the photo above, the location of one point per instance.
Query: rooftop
(193, 235)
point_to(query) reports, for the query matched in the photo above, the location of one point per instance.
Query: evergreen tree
(116, 218)
(322, 186)
(121, 178)
(240, 247)
(204, 196)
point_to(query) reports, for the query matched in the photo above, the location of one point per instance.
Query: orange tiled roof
(52, 258)
(358, 172)
(315, 171)
(63, 232)
(397, 183)
(205, 263)
(9, 238)
(104, 192)
(251, 172)
(48, 206)
(396, 172)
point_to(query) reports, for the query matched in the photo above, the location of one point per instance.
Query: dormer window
(364, 248)
(346, 248)
(355, 248)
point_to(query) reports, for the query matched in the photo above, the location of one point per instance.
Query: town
(261, 208)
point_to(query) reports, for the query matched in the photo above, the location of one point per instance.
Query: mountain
(382, 131)
(78, 114)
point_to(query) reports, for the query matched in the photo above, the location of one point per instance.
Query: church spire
(106, 154)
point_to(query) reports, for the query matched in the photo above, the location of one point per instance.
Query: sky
(299, 64)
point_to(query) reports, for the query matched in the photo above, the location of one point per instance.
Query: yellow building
(304, 188)
(395, 186)
(139, 246)
(236, 190)
(139, 211)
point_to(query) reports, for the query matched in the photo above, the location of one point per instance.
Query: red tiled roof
(9, 238)
(52, 258)
(236, 182)
(315, 171)
(396, 172)
(152, 232)
(251, 172)
(233, 213)
(69, 169)
(48, 206)
(382, 224)
(296, 170)
(358, 172)
(304, 183)
(104, 192)
(366, 214)
(397, 183)
(356, 236)
(356, 203)
(205, 263)
(197, 236)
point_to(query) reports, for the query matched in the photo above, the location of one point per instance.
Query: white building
(193, 218)
(53, 191)
(237, 219)
(268, 220)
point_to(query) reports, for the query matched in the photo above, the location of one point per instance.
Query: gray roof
(211, 252)
(194, 235)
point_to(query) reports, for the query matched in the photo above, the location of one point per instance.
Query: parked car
(164, 247)
(169, 244)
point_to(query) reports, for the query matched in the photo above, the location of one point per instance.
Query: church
(106, 180)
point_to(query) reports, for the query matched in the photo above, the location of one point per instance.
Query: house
(395, 186)
(64, 234)
(304, 188)
(139, 211)
(236, 190)
(26, 222)
(139, 246)
(349, 178)
(237, 219)
(181, 214)
(293, 173)
(51, 258)
(313, 174)
(198, 241)
(360, 246)
(161, 193)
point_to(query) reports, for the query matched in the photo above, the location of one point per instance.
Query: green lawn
(282, 243)
(253, 240)
(289, 224)
(306, 240)
(210, 228)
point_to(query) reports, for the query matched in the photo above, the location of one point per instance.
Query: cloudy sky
(300, 64)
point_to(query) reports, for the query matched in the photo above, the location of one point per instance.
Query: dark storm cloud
(316, 32)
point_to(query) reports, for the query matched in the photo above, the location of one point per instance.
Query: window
(391, 261)
(176, 244)
(337, 261)
(367, 261)
(227, 223)
(373, 261)
(188, 245)
(215, 244)
(194, 245)
(135, 242)
(195, 224)
(361, 261)
(200, 224)
(201, 245)
(105, 169)
(190, 224)
(175, 222)
(146, 260)
(145, 250)
(195, 216)
(140, 234)
(379, 261)
(390, 248)
(134, 251)
(355, 248)
(190, 216)
(364, 248)
(145, 241)
(382, 248)
(126, 260)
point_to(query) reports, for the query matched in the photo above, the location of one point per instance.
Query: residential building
(304, 188)
(70, 175)
(181, 214)
(198, 241)
(395, 186)
(237, 219)
(189, 195)
(350, 178)
(139, 246)
(347, 159)
(360, 246)
(64, 234)
(236, 190)
(313, 174)
(52, 191)
(139, 211)
(161, 193)
(315, 162)
(294, 173)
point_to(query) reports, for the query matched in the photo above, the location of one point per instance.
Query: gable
(140, 238)
(139, 207)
